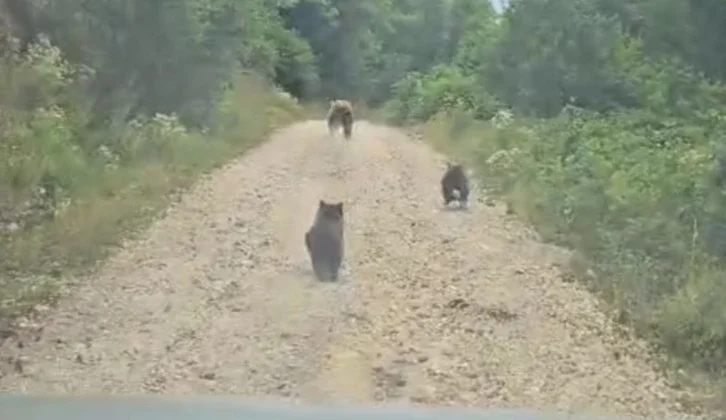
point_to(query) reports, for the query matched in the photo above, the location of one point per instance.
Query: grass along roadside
(118, 199)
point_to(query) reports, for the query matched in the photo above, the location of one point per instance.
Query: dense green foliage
(601, 122)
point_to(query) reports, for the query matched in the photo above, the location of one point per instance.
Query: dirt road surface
(434, 306)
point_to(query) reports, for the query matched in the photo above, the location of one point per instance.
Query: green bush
(418, 97)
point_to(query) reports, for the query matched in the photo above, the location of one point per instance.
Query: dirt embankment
(434, 306)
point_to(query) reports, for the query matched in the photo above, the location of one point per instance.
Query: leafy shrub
(444, 89)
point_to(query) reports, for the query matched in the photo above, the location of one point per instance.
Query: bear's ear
(449, 165)
(339, 208)
(321, 203)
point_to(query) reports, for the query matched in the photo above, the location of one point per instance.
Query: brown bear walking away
(340, 113)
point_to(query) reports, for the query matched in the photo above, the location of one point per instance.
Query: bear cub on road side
(455, 185)
(324, 241)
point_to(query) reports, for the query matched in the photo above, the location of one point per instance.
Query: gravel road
(434, 306)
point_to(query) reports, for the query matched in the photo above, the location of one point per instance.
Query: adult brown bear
(340, 113)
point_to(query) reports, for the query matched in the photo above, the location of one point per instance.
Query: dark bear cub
(455, 185)
(324, 241)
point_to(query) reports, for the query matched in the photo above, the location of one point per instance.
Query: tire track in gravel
(434, 306)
